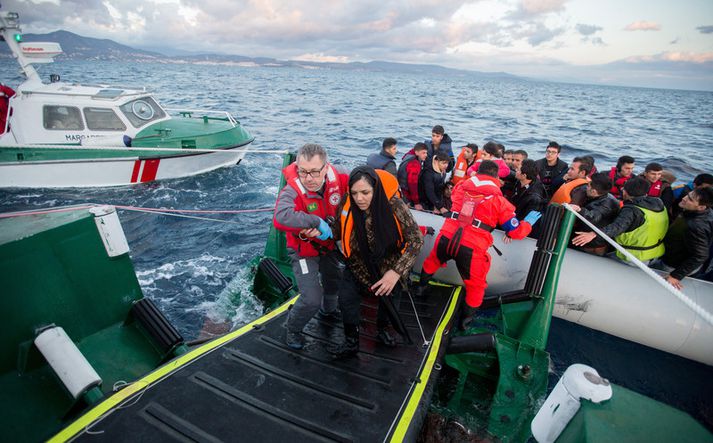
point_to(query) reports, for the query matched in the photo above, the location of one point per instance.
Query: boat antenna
(11, 32)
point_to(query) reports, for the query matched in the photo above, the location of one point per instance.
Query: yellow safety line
(110, 403)
(425, 375)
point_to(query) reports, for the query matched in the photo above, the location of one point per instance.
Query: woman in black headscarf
(380, 240)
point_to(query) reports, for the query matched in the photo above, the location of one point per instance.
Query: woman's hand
(386, 284)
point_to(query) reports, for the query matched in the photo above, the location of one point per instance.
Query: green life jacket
(646, 241)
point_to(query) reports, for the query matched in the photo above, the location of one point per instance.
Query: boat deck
(251, 387)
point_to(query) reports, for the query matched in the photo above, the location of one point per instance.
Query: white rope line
(695, 307)
(171, 214)
(130, 149)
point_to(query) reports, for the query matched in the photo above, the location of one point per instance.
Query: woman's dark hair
(528, 168)
(387, 239)
(492, 149)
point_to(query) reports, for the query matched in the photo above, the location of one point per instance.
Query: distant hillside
(77, 47)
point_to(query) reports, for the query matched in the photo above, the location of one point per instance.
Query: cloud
(587, 29)
(705, 29)
(642, 25)
(674, 57)
(536, 7)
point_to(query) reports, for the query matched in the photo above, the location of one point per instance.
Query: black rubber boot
(385, 338)
(350, 347)
(420, 288)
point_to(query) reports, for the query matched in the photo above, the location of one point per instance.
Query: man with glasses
(552, 168)
(310, 198)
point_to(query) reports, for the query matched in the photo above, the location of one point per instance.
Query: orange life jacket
(346, 220)
(460, 171)
(564, 193)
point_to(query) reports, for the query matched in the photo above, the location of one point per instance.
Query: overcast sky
(662, 43)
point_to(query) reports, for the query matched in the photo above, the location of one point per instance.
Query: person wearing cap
(640, 226)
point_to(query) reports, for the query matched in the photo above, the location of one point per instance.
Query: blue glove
(532, 217)
(326, 231)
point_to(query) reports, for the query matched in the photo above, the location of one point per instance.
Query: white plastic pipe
(578, 382)
(67, 361)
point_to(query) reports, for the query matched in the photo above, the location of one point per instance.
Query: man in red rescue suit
(313, 192)
(6, 93)
(478, 207)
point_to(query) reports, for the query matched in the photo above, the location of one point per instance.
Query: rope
(161, 211)
(418, 321)
(124, 148)
(705, 315)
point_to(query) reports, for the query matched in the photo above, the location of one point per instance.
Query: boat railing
(124, 93)
(204, 114)
(695, 307)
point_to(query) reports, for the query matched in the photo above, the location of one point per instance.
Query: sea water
(196, 269)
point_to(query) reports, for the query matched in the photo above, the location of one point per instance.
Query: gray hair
(310, 150)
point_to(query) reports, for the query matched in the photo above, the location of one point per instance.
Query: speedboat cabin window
(103, 119)
(62, 118)
(142, 111)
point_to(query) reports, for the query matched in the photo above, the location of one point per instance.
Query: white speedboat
(602, 294)
(61, 134)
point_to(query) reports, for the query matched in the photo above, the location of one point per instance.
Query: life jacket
(413, 171)
(617, 182)
(656, 188)
(564, 193)
(503, 168)
(346, 219)
(461, 168)
(322, 205)
(646, 241)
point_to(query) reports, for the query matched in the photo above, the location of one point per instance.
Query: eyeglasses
(551, 151)
(314, 173)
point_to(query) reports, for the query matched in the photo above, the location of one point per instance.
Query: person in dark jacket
(552, 168)
(600, 209)
(432, 182)
(689, 238)
(440, 142)
(700, 181)
(386, 158)
(640, 226)
(409, 172)
(529, 194)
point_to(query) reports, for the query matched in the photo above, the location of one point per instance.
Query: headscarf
(386, 233)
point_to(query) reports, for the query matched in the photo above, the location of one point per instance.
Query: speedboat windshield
(142, 111)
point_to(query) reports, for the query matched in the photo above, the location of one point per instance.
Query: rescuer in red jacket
(310, 198)
(478, 207)
(6, 93)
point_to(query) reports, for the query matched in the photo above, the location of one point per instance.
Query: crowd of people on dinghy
(665, 225)
(351, 233)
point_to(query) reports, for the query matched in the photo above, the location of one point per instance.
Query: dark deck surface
(255, 388)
